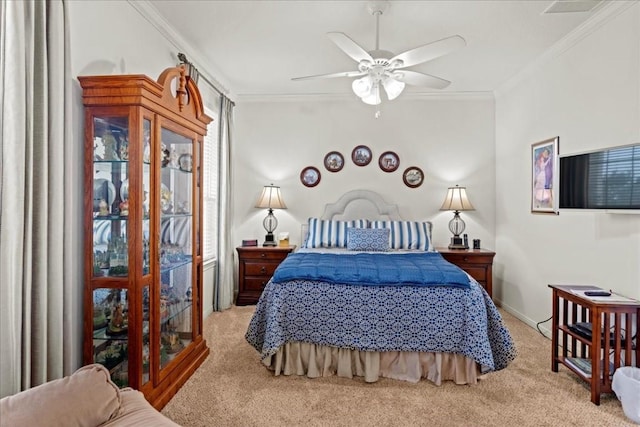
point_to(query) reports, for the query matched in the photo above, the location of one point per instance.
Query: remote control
(597, 293)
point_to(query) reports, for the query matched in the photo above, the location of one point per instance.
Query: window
(614, 178)
(210, 186)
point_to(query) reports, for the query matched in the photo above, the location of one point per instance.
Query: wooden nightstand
(477, 262)
(256, 265)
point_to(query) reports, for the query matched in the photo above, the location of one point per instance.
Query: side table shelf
(590, 352)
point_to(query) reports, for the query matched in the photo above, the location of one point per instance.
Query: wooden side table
(585, 355)
(477, 262)
(256, 265)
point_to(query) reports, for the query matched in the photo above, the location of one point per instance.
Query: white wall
(451, 139)
(587, 93)
(108, 37)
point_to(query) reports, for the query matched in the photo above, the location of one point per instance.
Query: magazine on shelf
(584, 365)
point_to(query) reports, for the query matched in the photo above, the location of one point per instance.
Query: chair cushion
(88, 397)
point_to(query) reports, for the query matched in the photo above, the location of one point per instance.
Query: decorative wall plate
(310, 176)
(361, 155)
(333, 161)
(413, 176)
(389, 161)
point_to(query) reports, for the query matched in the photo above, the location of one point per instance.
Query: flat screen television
(603, 179)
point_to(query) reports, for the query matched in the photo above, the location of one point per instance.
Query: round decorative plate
(310, 176)
(413, 176)
(389, 161)
(333, 161)
(361, 155)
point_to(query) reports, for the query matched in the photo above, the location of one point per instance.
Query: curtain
(33, 111)
(225, 284)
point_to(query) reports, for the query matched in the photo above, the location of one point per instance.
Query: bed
(367, 296)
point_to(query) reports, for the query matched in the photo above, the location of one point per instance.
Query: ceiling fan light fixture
(393, 87)
(362, 87)
(377, 66)
(373, 97)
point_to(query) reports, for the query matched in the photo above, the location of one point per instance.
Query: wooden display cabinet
(143, 229)
(587, 354)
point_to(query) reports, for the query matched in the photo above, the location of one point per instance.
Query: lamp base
(269, 240)
(457, 243)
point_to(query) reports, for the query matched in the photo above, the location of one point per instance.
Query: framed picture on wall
(544, 176)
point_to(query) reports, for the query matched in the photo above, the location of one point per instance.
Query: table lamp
(270, 199)
(457, 201)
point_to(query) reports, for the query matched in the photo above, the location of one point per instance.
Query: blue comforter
(448, 319)
(371, 269)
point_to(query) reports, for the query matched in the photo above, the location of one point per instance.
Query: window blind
(614, 178)
(210, 187)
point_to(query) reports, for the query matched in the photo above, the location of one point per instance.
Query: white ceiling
(255, 47)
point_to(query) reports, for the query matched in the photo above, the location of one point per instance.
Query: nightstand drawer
(477, 262)
(278, 255)
(255, 283)
(466, 259)
(260, 268)
(478, 273)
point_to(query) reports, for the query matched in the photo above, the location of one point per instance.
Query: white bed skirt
(315, 361)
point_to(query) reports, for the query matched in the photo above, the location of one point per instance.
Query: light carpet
(233, 388)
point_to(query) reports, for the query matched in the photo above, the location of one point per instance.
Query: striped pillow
(325, 233)
(408, 234)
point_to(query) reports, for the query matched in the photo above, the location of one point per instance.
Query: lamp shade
(271, 198)
(457, 200)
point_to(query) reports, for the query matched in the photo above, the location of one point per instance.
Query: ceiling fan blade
(332, 75)
(420, 79)
(350, 47)
(429, 51)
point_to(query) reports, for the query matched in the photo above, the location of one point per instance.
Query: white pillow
(325, 233)
(408, 234)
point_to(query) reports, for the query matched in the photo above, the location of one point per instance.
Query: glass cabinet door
(110, 198)
(176, 244)
(110, 247)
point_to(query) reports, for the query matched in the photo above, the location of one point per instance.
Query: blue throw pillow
(368, 239)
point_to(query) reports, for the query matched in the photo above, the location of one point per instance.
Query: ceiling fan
(382, 68)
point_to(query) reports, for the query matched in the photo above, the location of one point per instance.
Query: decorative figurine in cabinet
(143, 229)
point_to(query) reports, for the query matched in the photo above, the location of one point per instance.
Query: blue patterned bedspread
(382, 318)
(372, 269)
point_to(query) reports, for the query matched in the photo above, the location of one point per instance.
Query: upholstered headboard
(357, 204)
(361, 204)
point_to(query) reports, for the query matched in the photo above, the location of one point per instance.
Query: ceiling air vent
(567, 6)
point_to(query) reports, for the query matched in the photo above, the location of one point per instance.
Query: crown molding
(603, 14)
(146, 9)
(328, 97)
